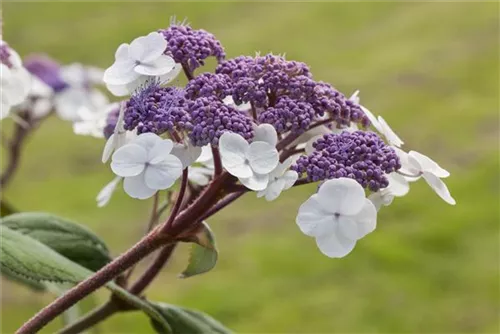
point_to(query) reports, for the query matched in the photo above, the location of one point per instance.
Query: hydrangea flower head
(157, 109)
(191, 47)
(358, 155)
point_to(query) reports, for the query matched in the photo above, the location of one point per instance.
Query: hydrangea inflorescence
(267, 125)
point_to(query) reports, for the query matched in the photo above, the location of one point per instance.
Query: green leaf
(33, 285)
(203, 255)
(69, 239)
(25, 257)
(183, 321)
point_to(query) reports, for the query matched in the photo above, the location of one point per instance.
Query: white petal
(187, 153)
(171, 75)
(147, 48)
(356, 227)
(274, 189)
(121, 53)
(263, 157)
(398, 185)
(149, 140)
(266, 133)
(290, 177)
(380, 198)
(105, 194)
(255, 182)
(343, 196)
(135, 187)
(439, 187)
(354, 97)
(372, 119)
(163, 174)
(109, 147)
(159, 151)
(335, 245)
(233, 149)
(427, 164)
(121, 73)
(313, 220)
(129, 160)
(160, 66)
(407, 166)
(389, 134)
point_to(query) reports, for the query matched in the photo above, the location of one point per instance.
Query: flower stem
(178, 201)
(97, 315)
(144, 247)
(217, 161)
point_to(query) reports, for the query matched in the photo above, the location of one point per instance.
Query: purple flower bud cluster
(5, 55)
(191, 47)
(111, 121)
(288, 115)
(157, 109)
(359, 155)
(208, 85)
(262, 79)
(47, 70)
(210, 118)
(326, 99)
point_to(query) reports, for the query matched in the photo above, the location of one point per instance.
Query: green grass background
(431, 69)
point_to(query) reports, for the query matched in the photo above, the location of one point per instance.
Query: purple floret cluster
(191, 47)
(210, 118)
(5, 55)
(284, 94)
(209, 85)
(47, 70)
(157, 109)
(358, 155)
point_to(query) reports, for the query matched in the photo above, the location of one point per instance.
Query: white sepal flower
(279, 179)
(432, 174)
(337, 216)
(250, 163)
(107, 191)
(389, 134)
(186, 153)
(79, 75)
(136, 62)
(118, 138)
(398, 187)
(206, 157)
(147, 165)
(92, 123)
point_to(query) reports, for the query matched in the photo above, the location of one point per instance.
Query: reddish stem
(178, 201)
(144, 247)
(217, 161)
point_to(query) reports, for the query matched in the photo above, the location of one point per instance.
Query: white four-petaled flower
(250, 163)
(135, 63)
(279, 179)
(147, 165)
(337, 216)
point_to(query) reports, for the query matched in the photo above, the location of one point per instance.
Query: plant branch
(90, 319)
(217, 161)
(223, 203)
(178, 201)
(14, 155)
(144, 247)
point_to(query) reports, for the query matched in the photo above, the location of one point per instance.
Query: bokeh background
(431, 70)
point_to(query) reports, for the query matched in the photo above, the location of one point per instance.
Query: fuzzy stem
(217, 161)
(144, 247)
(178, 201)
(223, 203)
(90, 319)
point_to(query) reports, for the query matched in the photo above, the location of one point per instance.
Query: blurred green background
(431, 69)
